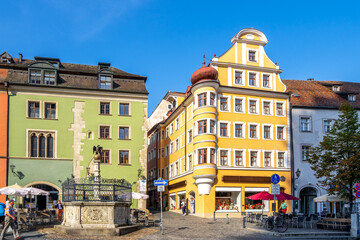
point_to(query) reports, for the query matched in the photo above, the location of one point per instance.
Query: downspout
(6, 84)
(292, 151)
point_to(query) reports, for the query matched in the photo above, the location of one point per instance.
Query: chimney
(20, 57)
(310, 79)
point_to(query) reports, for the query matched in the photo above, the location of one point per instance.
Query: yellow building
(228, 133)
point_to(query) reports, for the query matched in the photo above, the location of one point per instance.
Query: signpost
(161, 188)
(275, 189)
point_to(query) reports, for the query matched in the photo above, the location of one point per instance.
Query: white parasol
(12, 191)
(329, 198)
(136, 195)
(35, 191)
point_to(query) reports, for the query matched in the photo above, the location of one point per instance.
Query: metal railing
(108, 190)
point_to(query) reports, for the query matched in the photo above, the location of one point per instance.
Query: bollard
(244, 222)
(227, 218)
(214, 216)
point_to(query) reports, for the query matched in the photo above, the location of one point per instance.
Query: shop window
(228, 201)
(255, 205)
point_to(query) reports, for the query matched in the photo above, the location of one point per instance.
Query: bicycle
(281, 224)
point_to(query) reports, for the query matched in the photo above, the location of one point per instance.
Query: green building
(59, 111)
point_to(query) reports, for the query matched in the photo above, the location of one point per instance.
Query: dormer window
(105, 82)
(35, 76)
(336, 88)
(352, 98)
(49, 77)
(39, 76)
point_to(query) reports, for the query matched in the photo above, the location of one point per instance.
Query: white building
(314, 108)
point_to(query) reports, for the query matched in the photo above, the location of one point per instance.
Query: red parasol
(260, 196)
(267, 196)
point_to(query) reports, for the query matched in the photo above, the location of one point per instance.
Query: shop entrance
(307, 196)
(42, 202)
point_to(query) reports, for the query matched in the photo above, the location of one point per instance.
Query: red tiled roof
(320, 93)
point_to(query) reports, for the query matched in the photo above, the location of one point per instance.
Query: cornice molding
(246, 67)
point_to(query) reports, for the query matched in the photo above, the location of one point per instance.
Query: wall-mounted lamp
(12, 169)
(139, 172)
(297, 173)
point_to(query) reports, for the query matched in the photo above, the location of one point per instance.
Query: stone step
(322, 237)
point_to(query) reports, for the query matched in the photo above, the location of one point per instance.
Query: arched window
(41, 145)
(50, 146)
(33, 145)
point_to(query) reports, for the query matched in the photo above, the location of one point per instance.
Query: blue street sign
(275, 179)
(357, 194)
(160, 182)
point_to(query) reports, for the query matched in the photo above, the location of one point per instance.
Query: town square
(179, 120)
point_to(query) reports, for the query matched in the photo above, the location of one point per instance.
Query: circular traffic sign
(357, 194)
(357, 186)
(275, 179)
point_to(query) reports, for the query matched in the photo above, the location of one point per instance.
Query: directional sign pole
(161, 217)
(275, 227)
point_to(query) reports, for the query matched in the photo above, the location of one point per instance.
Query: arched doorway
(307, 205)
(42, 202)
(191, 205)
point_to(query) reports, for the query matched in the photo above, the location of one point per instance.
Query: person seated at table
(283, 207)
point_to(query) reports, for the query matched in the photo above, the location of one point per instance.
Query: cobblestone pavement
(177, 226)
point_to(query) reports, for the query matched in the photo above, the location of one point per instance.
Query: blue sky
(165, 40)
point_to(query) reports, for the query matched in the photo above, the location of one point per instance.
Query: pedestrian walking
(2, 214)
(60, 208)
(183, 207)
(10, 221)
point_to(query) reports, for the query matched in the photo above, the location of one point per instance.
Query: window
(190, 162)
(223, 129)
(167, 173)
(105, 132)
(167, 150)
(281, 159)
(41, 144)
(266, 108)
(238, 130)
(212, 99)
(171, 128)
(267, 159)
(105, 108)
(238, 105)
(212, 126)
(202, 126)
(176, 169)
(266, 81)
(305, 151)
(124, 157)
(223, 157)
(124, 109)
(162, 134)
(176, 124)
(336, 88)
(252, 56)
(280, 133)
(171, 148)
(105, 82)
(35, 76)
(267, 134)
(202, 155)
(185, 165)
(171, 171)
(105, 156)
(190, 136)
(167, 132)
(49, 77)
(212, 155)
(252, 106)
(238, 78)
(124, 133)
(305, 124)
(253, 129)
(176, 144)
(352, 98)
(238, 158)
(253, 158)
(202, 99)
(224, 104)
(328, 123)
(163, 152)
(50, 110)
(279, 109)
(252, 79)
(162, 174)
(34, 109)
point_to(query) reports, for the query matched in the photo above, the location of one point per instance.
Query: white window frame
(177, 146)
(257, 130)
(188, 136)
(188, 162)
(331, 124)
(310, 123)
(243, 129)
(243, 77)
(228, 103)
(227, 130)
(284, 108)
(256, 79)
(122, 164)
(243, 99)
(256, 55)
(56, 111)
(285, 159)
(271, 107)
(257, 106)
(177, 124)
(301, 150)
(271, 131)
(257, 157)
(284, 133)
(228, 156)
(271, 158)
(243, 157)
(182, 142)
(270, 80)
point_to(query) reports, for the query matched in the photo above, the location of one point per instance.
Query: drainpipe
(6, 84)
(292, 151)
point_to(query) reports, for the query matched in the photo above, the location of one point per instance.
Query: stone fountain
(96, 206)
